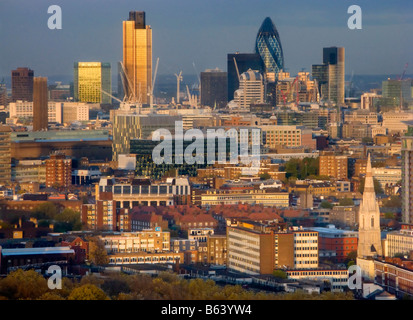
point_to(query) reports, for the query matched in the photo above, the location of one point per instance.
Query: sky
(202, 32)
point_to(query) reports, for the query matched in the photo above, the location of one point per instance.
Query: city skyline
(216, 30)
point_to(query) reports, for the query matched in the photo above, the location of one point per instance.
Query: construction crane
(236, 68)
(178, 81)
(150, 89)
(404, 71)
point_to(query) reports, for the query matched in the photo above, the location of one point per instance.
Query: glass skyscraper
(268, 46)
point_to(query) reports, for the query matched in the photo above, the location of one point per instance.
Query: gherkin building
(268, 46)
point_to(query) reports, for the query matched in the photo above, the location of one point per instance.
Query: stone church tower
(369, 242)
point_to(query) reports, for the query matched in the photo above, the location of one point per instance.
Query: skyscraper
(40, 104)
(214, 88)
(22, 84)
(268, 46)
(244, 61)
(369, 243)
(407, 175)
(251, 89)
(137, 57)
(89, 79)
(330, 75)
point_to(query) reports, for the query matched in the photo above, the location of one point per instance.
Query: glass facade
(268, 46)
(89, 79)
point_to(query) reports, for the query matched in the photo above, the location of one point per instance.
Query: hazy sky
(204, 31)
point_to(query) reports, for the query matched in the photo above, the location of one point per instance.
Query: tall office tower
(407, 175)
(40, 104)
(22, 84)
(58, 171)
(244, 61)
(5, 155)
(251, 89)
(268, 46)
(369, 243)
(320, 75)
(334, 58)
(91, 81)
(137, 57)
(397, 93)
(214, 90)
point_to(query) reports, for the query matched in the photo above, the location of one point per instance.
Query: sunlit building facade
(137, 57)
(91, 81)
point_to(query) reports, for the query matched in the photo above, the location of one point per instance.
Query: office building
(58, 171)
(289, 136)
(137, 57)
(407, 175)
(399, 242)
(330, 75)
(268, 46)
(251, 90)
(238, 63)
(22, 84)
(134, 126)
(40, 104)
(92, 82)
(5, 155)
(214, 91)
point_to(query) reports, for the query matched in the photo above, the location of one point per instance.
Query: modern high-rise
(244, 61)
(137, 57)
(40, 104)
(268, 46)
(5, 155)
(407, 175)
(330, 75)
(22, 84)
(91, 81)
(214, 90)
(369, 243)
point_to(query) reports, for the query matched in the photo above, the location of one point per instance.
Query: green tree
(326, 205)
(68, 220)
(88, 292)
(265, 176)
(46, 210)
(377, 186)
(280, 274)
(393, 202)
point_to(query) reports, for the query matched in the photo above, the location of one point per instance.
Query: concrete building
(407, 175)
(24, 110)
(399, 242)
(289, 136)
(251, 90)
(387, 177)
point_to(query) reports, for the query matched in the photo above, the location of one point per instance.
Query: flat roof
(332, 231)
(31, 251)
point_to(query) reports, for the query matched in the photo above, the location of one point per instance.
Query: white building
(251, 89)
(387, 176)
(24, 110)
(367, 100)
(399, 242)
(395, 121)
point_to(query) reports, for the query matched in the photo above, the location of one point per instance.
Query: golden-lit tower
(137, 57)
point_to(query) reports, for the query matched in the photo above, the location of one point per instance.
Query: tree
(280, 274)
(88, 292)
(326, 205)
(393, 202)
(22, 284)
(265, 176)
(46, 210)
(97, 251)
(68, 220)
